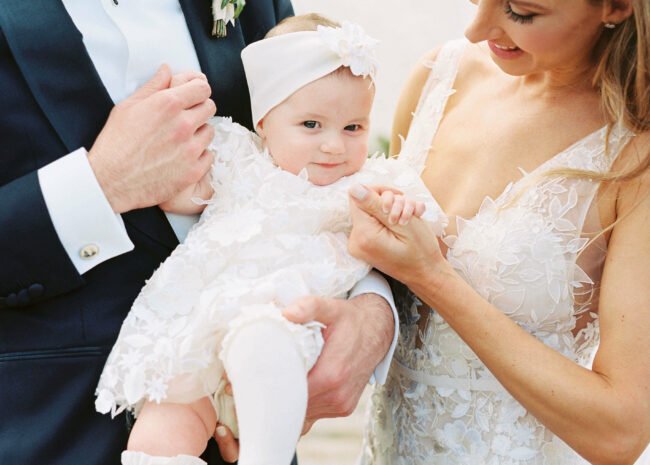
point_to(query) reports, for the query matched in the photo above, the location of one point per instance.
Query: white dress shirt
(127, 43)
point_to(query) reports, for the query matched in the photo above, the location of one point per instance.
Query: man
(79, 229)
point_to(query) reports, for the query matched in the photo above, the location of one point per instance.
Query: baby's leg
(171, 430)
(269, 382)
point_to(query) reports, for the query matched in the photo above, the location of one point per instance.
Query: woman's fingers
(368, 201)
(387, 205)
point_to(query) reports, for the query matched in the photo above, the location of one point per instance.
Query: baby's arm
(183, 204)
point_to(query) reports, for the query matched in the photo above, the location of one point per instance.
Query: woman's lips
(505, 52)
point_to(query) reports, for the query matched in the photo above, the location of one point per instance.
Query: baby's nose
(333, 145)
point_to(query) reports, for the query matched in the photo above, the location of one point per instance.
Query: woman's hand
(385, 235)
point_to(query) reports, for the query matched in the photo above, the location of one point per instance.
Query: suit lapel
(211, 52)
(229, 88)
(47, 46)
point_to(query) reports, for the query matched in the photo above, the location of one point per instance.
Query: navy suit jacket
(56, 326)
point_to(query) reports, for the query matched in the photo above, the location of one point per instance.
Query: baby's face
(322, 127)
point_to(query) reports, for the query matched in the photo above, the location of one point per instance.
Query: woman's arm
(604, 413)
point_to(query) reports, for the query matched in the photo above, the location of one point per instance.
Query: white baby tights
(269, 381)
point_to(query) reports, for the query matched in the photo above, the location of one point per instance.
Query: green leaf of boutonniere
(224, 12)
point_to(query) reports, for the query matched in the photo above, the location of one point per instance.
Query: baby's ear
(260, 129)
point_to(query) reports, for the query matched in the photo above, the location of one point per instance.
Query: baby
(275, 230)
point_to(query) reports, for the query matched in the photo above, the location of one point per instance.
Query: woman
(536, 145)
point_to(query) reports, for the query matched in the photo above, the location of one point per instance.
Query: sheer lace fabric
(441, 405)
(265, 238)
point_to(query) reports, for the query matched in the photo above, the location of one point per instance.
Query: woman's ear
(617, 11)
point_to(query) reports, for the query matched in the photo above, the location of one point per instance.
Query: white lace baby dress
(441, 405)
(265, 238)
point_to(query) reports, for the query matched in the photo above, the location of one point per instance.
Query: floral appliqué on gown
(441, 405)
(265, 238)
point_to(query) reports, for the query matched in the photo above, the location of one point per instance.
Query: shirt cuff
(375, 283)
(88, 228)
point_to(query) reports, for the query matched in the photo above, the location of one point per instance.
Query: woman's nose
(485, 25)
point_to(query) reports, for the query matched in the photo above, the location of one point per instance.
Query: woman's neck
(559, 83)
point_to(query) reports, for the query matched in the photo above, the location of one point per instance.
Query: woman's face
(531, 36)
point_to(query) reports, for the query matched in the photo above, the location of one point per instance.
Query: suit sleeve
(65, 210)
(35, 265)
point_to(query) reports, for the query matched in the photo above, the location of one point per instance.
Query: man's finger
(159, 81)
(307, 426)
(308, 309)
(228, 445)
(191, 93)
(187, 76)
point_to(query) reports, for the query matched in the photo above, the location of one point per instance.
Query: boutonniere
(224, 12)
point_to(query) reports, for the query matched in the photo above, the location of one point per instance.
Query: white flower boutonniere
(354, 46)
(224, 12)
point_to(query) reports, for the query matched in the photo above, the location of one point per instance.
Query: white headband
(278, 66)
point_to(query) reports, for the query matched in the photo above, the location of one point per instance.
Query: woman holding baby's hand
(524, 330)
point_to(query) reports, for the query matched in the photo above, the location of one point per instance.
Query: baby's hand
(400, 209)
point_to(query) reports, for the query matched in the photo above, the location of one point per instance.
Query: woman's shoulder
(459, 60)
(458, 57)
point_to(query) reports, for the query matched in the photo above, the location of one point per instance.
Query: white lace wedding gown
(440, 404)
(266, 238)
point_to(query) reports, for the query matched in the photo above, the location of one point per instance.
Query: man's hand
(154, 142)
(357, 336)
(228, 445)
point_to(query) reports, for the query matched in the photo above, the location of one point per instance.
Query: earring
(610, 25)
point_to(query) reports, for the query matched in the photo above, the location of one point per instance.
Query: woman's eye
(352, 127)
(518, 18)
(310, 124)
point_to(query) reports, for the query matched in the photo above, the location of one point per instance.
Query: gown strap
(431, 106)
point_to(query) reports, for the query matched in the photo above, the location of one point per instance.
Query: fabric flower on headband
(354, 46)
(224, 12)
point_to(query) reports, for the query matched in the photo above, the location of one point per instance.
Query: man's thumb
(159, 81)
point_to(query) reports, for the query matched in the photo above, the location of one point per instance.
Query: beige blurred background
(406, 30)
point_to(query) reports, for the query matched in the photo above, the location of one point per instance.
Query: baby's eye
(352, 127)
(310, 124)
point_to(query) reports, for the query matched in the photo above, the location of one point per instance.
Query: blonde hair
(301, 23)
(622, 76)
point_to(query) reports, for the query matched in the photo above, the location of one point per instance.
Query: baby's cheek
(359, 159)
